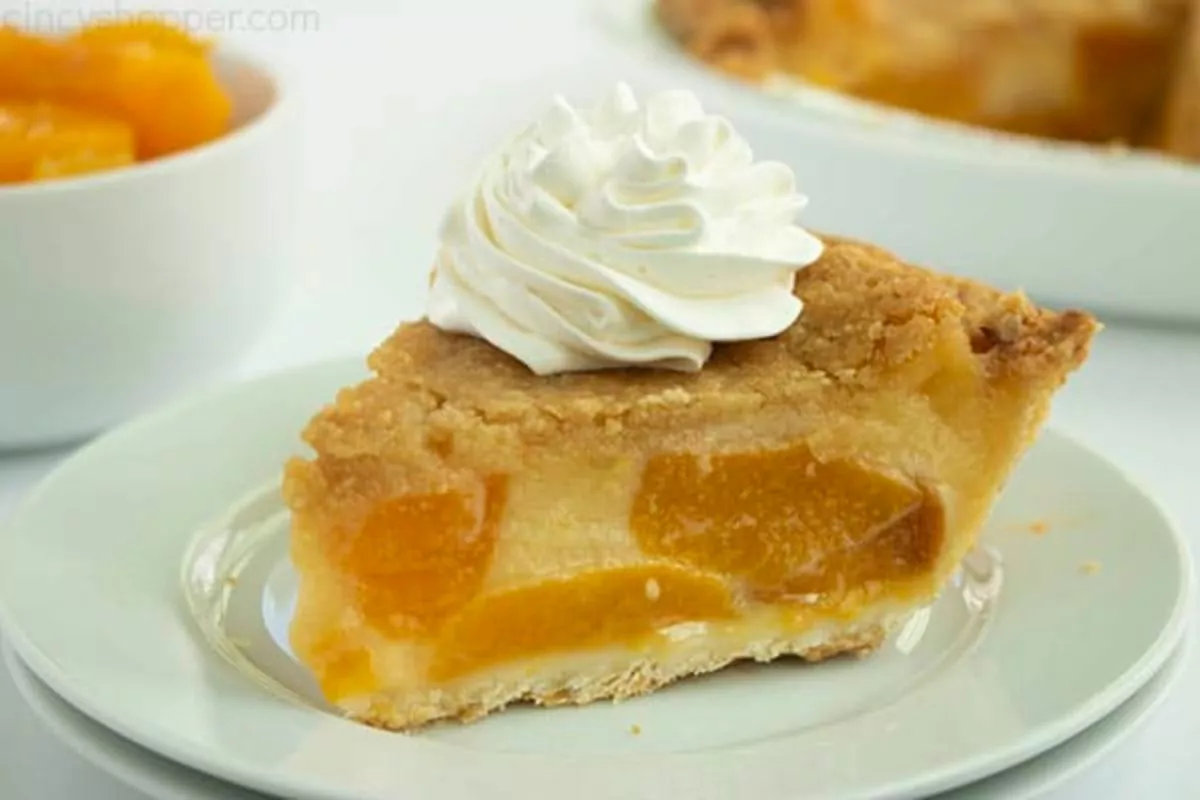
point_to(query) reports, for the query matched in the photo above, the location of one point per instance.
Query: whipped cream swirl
(624, 235)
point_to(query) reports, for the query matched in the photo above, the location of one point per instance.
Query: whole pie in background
(1087, 70)
(1179, 131)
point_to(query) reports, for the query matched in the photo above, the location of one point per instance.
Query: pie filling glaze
(468, 535)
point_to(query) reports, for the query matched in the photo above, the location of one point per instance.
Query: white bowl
(1070, 224)
(120, 289)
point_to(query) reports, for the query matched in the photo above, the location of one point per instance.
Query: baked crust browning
(869, 321)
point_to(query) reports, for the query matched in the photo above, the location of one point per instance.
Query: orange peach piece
(142, 30)
(29, 65)
(781, 519)
(39, 141)
(622, 606)
(81, 163)
(417, 559)
(172, 98)
(169, 95)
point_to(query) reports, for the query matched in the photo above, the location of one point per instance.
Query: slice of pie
(470, 534)
(1087, 70)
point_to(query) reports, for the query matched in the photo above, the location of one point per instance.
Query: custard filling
(717, 536)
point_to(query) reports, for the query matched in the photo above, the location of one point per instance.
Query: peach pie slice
(469, 534)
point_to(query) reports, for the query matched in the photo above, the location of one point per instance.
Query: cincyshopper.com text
(202, 22)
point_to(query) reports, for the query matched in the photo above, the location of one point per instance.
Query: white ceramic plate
(1063, 221)
(90, 599)
(165, 780)
(133, 766)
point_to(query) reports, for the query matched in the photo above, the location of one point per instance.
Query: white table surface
(396, 121)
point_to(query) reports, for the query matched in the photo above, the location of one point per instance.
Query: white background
(399, 102)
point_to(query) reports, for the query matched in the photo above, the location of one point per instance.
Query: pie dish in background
(1073, 224)
(1179, 131)
(1083, 70)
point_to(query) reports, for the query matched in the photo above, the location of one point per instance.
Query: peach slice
(39, 141)
(168, 93)
(417, 559)
(779, 519)
(622, 606)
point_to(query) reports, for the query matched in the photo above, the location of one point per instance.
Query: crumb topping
(867, 318)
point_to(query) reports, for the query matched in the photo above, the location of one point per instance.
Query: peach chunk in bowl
(147, 213)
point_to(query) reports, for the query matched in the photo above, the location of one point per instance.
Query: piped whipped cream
(622, 235)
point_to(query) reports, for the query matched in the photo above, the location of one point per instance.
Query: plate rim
(958, 774)
(51, 711)
(1148, 700)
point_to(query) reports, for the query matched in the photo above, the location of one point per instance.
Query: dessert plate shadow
(1094, 599)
